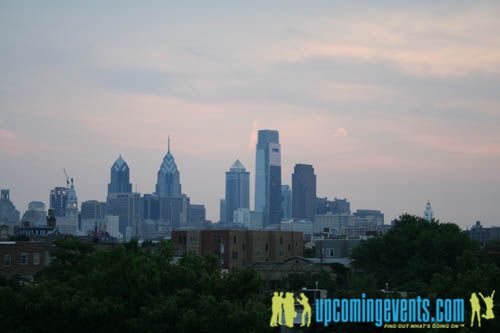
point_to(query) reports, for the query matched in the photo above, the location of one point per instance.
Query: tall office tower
(127, 206)
(198, 215)
(93, 209)
(286, 201)
(175, 211)
(151, 207)
(428, 213)
(168, 183)
(237, 189)
(8, 212)
(67, 223)
(222, 211)
(120, 177)
(58, 198)
(370, 216)
(304, 192)
(268, 176)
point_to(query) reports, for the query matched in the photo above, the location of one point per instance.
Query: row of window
(7, 259)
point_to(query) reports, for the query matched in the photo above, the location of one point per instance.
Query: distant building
(369, 216)
(68, 223)
(36, 215)
(483, 235)
(8, 213)
(58, 198)
(198, 215)
(168, 181)
(268, 177)
(127, 206)
(239, 248)
(93, 209)
(335, 206)
(237, 190)
(248, 219)
(151, 207)
(107, 223)
(304, 192)
(175, 211)
(334, 224)
(222, 211)
(286, 201)
(428, 213)
(120, 177)
(304, 226)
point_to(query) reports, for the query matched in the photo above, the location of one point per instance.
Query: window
(7, 260)
(330, 252)
(267, 247)
(36, 258)
(235, 255)
(234, 239)
(281, 240)
(24, 258)
(289, 247)
(243, 246)
(281, 253)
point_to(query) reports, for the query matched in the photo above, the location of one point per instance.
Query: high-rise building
(268, 176)
(237, 189)
(428, 212)
(58, 198)
(151, 207)
(222, 211)
(168, 182)
(304, 192)
(198, 215)
(8, 212)
(175, 211)
(286, 201)
(127, 206)
(340, 206)
(93, 209)
(120, 177)
(248, 219)
(67, 223)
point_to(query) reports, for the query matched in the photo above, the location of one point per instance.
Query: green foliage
(129, 288)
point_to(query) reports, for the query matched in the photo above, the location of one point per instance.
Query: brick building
(22, 258)
(240, 248)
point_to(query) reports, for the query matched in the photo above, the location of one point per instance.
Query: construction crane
(67, 178)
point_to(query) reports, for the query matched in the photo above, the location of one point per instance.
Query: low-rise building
(22, 258)
(239, 248)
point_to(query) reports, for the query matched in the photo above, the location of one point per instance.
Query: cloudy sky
(393, 104)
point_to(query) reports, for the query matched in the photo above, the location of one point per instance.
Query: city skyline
(391, 113)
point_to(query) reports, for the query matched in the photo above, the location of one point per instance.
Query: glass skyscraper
(268, 176)
(168, 182)
(304, 192)
(237, 189)
(120, 177)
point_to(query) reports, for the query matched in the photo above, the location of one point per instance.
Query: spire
(169, 143)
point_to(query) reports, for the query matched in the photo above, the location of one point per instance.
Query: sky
(393, 102)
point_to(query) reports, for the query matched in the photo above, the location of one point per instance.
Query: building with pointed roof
(237, 190)
(120, 177)
(168, 181)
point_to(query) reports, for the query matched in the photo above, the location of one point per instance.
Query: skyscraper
(268, 176)
(304, 192)
(8, 212)
(168, 182)
(58, 198)
(237, 189)
(120, 177)
(286, 201)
